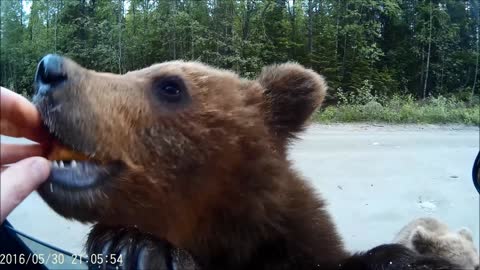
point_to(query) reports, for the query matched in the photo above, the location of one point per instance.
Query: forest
(377, 55)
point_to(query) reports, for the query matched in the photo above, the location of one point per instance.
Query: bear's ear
(422, 240)
(466, 233)
(291, 94)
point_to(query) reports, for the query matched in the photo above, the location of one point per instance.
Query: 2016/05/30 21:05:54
(59, 259)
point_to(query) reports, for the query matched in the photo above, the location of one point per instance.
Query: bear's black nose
(49, 74)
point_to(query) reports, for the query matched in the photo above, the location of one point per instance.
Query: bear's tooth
(55, 164)
(73, 164)
(61, 164)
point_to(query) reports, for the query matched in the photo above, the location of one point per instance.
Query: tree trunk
(310, 30)
(294, 28)
(48, 17)
(478, 54)
(422, 71)
(55, 31)
(134, 21)
(192, 43)
(337, 24)
(120, 16)
(344, 58)
(174, 30)
(246, 20)
(145, 18)
(442, 59)
(21, 13)
(428, 53)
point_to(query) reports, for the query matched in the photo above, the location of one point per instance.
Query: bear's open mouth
(75, 166)
(78, 184)
(75, 174)
(73, 170)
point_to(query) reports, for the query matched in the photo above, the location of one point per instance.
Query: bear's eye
(170, 89)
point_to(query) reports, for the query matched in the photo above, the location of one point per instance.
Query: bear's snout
(50, 74)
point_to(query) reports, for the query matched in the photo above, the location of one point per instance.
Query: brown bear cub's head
(176, 147)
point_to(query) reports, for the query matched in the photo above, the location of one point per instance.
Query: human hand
(19, 118)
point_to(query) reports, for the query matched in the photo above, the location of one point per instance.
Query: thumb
(19, 180)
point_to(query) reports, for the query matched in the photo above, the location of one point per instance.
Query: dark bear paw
(128, 248)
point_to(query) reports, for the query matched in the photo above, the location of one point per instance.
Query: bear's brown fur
(209, 173)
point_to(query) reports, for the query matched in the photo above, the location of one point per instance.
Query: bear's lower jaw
(78, 175)
(79, 189)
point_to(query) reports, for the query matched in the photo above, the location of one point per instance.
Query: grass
(403, 109)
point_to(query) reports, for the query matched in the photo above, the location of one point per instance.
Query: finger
(10, 153)
(19, 180)
(19, 117)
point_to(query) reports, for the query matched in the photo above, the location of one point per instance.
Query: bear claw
(116, 248)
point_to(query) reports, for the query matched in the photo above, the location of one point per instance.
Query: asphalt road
(375, 179)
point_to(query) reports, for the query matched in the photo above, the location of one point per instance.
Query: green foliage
(370, 51)
(359, 96)
(403, 109)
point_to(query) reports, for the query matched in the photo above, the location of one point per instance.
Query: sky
(26, 6)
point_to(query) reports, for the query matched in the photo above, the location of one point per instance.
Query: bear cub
(429, 236)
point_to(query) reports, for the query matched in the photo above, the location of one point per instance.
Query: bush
(360, 107)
